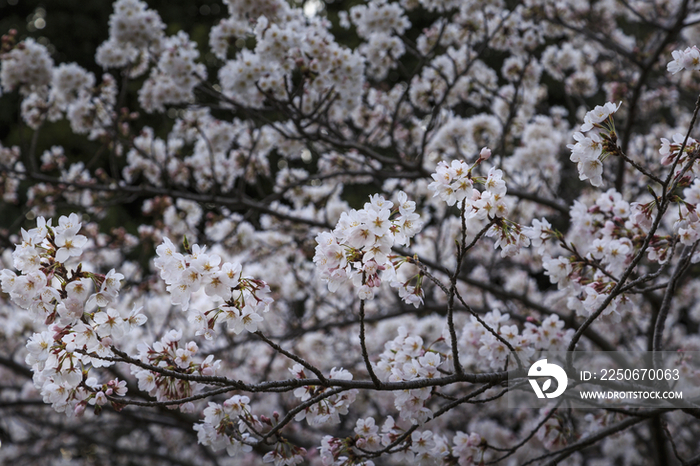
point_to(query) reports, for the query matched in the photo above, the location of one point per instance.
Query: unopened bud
(485, 153)
(80, 408)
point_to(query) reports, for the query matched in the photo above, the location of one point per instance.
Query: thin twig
(291, 356)
(365, 355)
(681, 267)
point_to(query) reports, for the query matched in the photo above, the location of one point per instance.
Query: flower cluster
(455, 183)
(422, 447)
(27, 66)
(224, 34)
(9, 186)
(553, 434)
(244, 298)
(285, 42)
(405, 358)
(226, 426)
(52, 92)
(132, 30)
(359, 247)
(169, 355)
(601, 249)
(174, 78)
(68, 83)
(284, 453)
(688, 59)
(379, 23)
(379, 17)
(330, 408)
(510, 237)
(335, 452)
(232, 425)
(590, 151)
(486, 349)
(671, 151)
(81, 326)
(688, 224)
(468, 449)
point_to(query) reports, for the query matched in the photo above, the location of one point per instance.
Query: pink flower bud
(79, 408)
(485, 153)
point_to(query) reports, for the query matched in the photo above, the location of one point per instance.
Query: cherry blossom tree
(337, 234)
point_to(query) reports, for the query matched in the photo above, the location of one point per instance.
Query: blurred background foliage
(73, 29)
